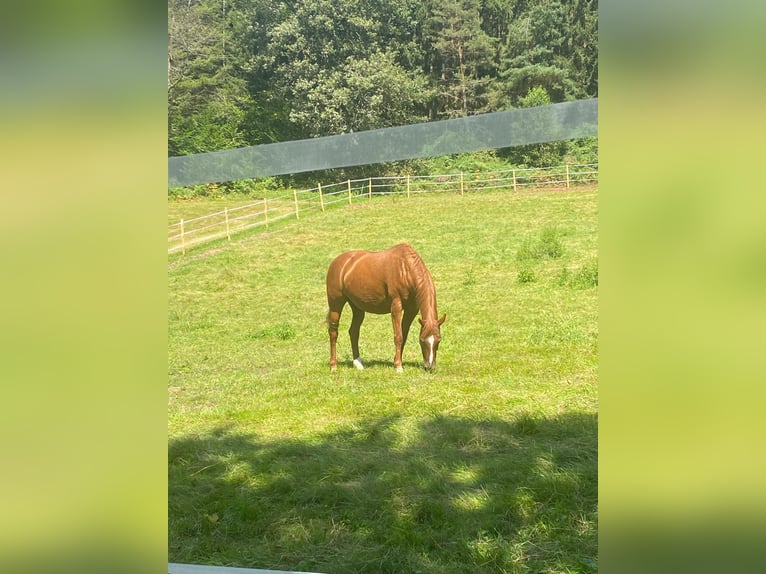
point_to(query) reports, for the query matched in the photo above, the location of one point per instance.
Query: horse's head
(430, 337)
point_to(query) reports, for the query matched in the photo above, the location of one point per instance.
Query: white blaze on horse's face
(430, 337)
(429, 346)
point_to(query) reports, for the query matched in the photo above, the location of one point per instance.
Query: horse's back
(369, 279)
(373, 265)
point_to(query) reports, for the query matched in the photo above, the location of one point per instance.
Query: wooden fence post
(514, 180)
(408, 186)
(295, 198)
(226, 214)
(349, 192)
(183, 242)
(266, 212)
(321, 199)
(461, 183)
(369, 193)
(567, 176)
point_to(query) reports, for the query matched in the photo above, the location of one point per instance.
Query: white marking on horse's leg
(358, 364)
(399, 370)
(430, 342)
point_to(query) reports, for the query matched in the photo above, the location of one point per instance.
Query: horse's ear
(444, 318)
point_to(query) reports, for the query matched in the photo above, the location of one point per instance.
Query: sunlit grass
(487, 464)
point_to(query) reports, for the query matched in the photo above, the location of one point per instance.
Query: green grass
(488, 464)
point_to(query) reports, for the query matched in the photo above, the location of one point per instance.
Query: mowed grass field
(486, 464)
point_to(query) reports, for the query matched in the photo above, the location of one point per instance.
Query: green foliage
(460, 56)
(476, 162)
(214, 127)
(246, 72)
(362, 94)
(536, 96)
(550, 45)
(343, 66)
(207, 93)
(236, 188)
(582, 150)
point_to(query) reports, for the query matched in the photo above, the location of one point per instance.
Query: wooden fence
(267, 212)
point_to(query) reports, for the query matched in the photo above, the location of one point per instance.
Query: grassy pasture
(488, 464)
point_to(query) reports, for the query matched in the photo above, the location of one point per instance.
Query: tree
(244, 72)
(362, 94)
(552, 45)
(206, 97)
(339, 65)
(582, 46)
(460, 56)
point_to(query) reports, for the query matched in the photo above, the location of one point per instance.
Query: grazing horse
(394, 281)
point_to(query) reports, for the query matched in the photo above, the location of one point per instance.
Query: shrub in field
(527, 250)
(282, 332)
(587, 276)
(548, 244)
(526, 275)
(584, 278)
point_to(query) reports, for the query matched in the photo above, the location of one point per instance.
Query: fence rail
(268, 211)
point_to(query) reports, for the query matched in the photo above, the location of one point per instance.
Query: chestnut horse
(394, 281)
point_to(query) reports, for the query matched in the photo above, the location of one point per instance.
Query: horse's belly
(377, 309)
(371, 302)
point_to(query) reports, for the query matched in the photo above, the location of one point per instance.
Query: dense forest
(247, 72)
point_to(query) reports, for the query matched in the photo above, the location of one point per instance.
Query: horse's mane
(424, 284)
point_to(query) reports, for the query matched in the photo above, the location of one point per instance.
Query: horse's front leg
(409, 317)
(396, 319)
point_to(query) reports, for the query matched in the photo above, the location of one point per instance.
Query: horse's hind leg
(353, 333)
(333, 320)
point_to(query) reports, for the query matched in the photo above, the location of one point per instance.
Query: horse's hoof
(333, 368)
(358, 364)
(399, 370)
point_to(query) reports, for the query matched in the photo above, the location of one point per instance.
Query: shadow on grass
(444, 494)
(381, 364)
